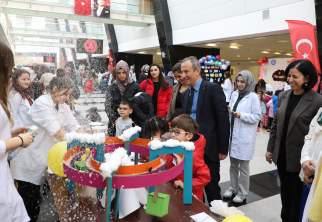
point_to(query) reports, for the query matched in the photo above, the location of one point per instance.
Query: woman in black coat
(123, 88)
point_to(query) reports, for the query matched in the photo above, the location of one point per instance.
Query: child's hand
(19, 130)
(178, 184)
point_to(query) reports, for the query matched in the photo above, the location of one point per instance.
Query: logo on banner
(49, 59)
(273, 62)
(305, 56)
(90, 46)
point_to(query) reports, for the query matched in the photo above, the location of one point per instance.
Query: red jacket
(201, 173)
(164, 97)
(88, 86)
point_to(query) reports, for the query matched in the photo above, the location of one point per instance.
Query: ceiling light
(238, 55)
(277, 53)
(265, 52)
(234, 47)
(158, 53)
(268, 49)
(142, 52)
(260, 38)
(211, 44)
(248, 58)
(288, 54)
(282, 41)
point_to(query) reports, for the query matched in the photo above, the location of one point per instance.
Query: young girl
(263, 108)
(21, 96)
(267, 98)
(89, 89)
(12, 207)
(270, 106)
(52, 116)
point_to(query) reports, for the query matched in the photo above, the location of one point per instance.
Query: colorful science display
(214, 68)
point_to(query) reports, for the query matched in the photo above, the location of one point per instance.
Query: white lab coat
(31, 163)
(18, 108)
(242, 143)
(228, 89)
(12, 208)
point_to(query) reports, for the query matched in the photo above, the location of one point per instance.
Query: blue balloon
(202, 67)
(227, 63)
(220, 75)
(209, 63)
(219, 64)
(204, 58)
(214, 58)
(209, 57)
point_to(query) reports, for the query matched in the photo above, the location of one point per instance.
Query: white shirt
(12, 208)
(287, 87)
(99, 11)
(242, 144)
(18, 108)
(269, 88)
(228, 89)
(31, 163)
(133, 76)
(100, 76)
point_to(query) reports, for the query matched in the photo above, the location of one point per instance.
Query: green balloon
(216, 63)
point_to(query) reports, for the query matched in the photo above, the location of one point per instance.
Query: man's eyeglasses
(123, 109)
(176, 131)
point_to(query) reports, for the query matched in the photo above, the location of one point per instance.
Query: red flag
(111, 59)
(83, 7)
(304, 43)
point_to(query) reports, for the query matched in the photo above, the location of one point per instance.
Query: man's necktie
(190, 101)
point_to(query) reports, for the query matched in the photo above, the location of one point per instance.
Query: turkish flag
(304, 43)
(83, 7)
(111, 59)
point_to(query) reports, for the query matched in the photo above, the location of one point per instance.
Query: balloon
(219, 64)
(202, 67)
(260, 62)
(227, 63)
(204, 58)
(55, 158)
(238, 218)
(214, 58)
(201, 60)
(210, 57)
(206, 63)
(218, 57)
(223, 67)
(222, 61)
(216, 63)
(209, 64)
(265, 60)
(207, 58)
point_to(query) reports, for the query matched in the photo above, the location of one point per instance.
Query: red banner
(83, 7)
(112, 63)
(304, 43)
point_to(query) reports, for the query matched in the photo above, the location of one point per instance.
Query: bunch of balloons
(214, 60)
(264, 60)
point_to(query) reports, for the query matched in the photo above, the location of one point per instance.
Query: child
(157, 128)
(89, 89)
(93, 115)
(102, 85)
(270, 106)
(267, 98)
(260, 97)
(124, 122)
(184, 128)
(275, 100)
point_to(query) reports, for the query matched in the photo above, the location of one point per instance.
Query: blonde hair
(7, 64)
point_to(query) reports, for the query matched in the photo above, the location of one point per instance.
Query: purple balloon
(201, 60)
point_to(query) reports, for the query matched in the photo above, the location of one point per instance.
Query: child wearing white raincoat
(245, 113)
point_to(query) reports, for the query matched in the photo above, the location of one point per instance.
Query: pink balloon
(218, 57)
(223, 67)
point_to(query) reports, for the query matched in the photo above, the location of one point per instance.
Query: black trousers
(270, 121)
(212, 188)
(291, 194)
(30, 194)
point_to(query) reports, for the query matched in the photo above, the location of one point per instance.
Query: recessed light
(158, 53)
(268, 49)
(277, 53)
(238, 55)
(282, 41)
(260, 38)
(248, 58)
(265, 52)
(142, 52)
(234, 47)
(288, 54)
(211, 44)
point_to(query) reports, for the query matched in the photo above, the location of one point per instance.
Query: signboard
(91, 46)
(50, 59)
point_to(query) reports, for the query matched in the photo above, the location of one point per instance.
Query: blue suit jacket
(212, 117)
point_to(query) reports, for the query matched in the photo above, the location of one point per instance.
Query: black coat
(75, 92)
(37, 90)
(142, 77)
(212, 117)
(113, 100)
(142, 107)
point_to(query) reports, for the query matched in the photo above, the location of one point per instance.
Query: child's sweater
(88, 86)
(270, 106)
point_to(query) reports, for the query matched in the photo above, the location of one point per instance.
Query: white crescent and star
(305, 56)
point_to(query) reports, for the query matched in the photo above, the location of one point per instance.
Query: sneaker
(238, 199)
(268, 130)
(228, 193)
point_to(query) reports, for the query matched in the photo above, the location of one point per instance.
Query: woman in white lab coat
(12, 208)
(52, 116)
(245, 113)
(21, 96)
(228, 86)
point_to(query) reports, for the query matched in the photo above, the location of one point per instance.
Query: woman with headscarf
(245, 113)
(121, 89)
(144, 73)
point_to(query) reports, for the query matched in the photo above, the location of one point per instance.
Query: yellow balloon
(55, 158)
(237, 218)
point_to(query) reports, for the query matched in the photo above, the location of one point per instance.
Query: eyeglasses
(176, 131)
(123, 109)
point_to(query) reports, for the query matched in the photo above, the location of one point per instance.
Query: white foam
(113, 162)
(126, 135)
(156, 144)
(98, 138)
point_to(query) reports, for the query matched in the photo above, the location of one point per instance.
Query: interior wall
(251, 66)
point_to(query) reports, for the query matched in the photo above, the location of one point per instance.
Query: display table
(83, 205)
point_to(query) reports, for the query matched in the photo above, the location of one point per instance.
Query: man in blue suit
(206, 103)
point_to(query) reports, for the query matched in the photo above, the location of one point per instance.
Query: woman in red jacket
(159, 89)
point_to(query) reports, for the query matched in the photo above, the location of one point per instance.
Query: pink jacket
(270, 106)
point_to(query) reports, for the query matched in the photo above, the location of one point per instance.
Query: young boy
(184, 128)
(124, 122)
(93, 115)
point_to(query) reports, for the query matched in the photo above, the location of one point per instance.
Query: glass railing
(124, 6)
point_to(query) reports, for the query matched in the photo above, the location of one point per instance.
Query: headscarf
(249, 80)
(145, 68)
(122, 84)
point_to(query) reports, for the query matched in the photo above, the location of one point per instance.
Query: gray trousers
(90, 95)
(239, 176)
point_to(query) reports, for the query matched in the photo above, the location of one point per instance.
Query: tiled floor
(263, 203)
